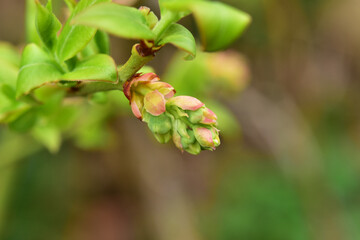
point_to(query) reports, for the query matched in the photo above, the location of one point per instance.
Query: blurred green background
(287, 98)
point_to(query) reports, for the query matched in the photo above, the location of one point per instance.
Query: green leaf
(99, 44)
(37, 69)
(70, 4)
(102, 42)
(49, 136)
(180, 37)
(47, 24)
(25, 121)
(73, 38)
(10, 108)
(99, 67)
(176, 7)
(122, 21)
(219, 24)
(31, 33)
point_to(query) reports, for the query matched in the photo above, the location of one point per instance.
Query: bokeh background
(287, 96)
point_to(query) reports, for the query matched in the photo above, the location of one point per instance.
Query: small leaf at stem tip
(154, 103)
(47, 25)
(186, 102)
(151, 18)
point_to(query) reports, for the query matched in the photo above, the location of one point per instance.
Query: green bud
(185, 141)
(194, 148)
(163, 138)
(205, 137)
(196, 116)
(159, 124)
(177, 140)
(181, 128)
(216, 138)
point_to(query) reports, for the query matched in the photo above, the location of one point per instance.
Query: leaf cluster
(62, 59)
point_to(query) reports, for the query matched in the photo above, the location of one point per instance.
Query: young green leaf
(98, 67)
(176, 8)
(180, 37)
(31, 34)
(219, 24)
(102, 42)
(99, 44)
(37, 69)
(73, 38)
(122, 21)
(47, 25)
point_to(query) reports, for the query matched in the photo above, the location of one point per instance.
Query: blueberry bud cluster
(184, 119)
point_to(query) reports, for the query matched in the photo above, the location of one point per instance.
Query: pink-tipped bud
(129, 86)
(209, 117)
(154, 103)
(204, 137)
(147, 92)
(186, 102)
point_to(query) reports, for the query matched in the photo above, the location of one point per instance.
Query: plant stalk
(139, 57)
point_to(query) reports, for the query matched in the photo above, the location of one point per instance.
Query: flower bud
(163, 138)
(158, 124)
(185, 103)
(185, 119)
(187, 141)
(147, 94)
(177, 140)
(181, 128)
(209, 117)
(215, 135)
(194, 148)
(195, 116)
(207, 138)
